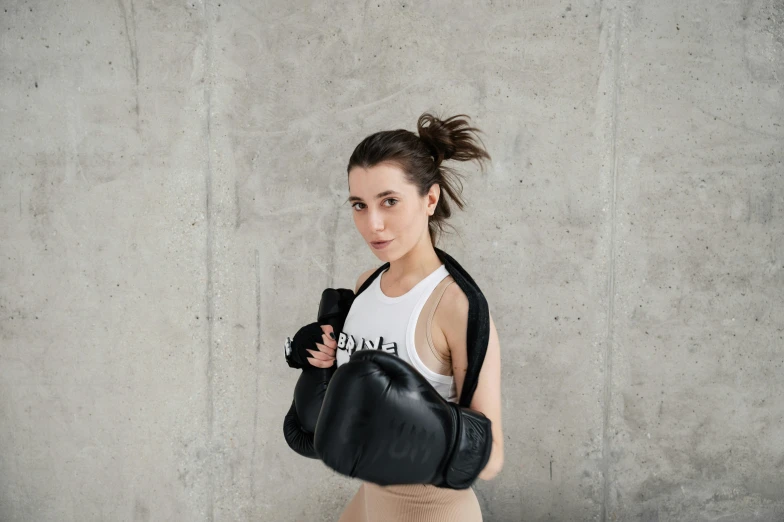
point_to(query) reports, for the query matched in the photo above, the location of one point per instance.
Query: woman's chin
(383, 255)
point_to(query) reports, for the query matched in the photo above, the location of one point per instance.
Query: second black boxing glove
(300, 421)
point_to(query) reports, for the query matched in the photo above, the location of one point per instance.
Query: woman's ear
(433, 196)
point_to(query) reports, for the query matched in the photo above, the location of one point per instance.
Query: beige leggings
(412, 503)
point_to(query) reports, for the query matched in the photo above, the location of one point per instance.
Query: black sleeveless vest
(478, 333)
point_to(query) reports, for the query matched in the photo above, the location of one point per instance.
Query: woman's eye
(354, 206)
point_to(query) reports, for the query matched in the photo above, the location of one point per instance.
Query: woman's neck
(414, 266)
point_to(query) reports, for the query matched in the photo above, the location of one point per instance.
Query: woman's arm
(453, 320)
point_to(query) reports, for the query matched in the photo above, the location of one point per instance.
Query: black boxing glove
(382, 422)
(300, 421)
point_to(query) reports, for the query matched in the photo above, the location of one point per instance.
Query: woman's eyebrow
(379, 195)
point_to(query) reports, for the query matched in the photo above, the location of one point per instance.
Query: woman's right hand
(324, 357)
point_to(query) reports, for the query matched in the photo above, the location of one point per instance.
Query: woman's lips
(381, 245)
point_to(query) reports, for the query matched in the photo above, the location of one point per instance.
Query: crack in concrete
(133, 49)
(608, 347)
(209, 264)
(257, 270)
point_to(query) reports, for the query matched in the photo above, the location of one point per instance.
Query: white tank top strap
(443, 383)
(429, 330)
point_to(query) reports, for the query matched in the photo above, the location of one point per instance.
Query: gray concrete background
(172, 206)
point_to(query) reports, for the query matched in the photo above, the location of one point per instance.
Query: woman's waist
(419, 492)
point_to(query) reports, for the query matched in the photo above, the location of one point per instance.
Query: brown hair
(421, 157)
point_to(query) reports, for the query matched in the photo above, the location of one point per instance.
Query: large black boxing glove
(300, 421)
(382, 422)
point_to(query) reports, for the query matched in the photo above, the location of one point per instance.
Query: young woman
(400, 194)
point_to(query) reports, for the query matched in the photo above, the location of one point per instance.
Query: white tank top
(378, 322)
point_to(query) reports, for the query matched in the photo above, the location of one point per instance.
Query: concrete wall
(171, 200)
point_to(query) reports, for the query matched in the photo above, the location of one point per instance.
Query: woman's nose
(376, 220)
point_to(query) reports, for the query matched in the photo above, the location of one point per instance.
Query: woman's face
(387, 208)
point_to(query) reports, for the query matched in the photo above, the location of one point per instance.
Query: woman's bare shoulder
(452, 313)
(364, 278)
